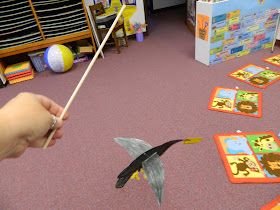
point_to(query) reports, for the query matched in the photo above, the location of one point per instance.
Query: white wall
(159, 4)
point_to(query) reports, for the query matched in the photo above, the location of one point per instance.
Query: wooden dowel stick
(86, 73)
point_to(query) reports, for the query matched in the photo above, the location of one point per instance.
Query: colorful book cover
(273, 205)
(252, 157)
(275, 60)
(20, 74)
(21, 79)
(235, 101)
(18, 67)
(255, 75)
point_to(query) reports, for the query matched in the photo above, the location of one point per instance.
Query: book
(18, 67)
(19, 75)
(22, 79)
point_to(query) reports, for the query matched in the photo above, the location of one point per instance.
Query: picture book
(275, 60)
(20, 74)
(273, 205)
(255, 75)
(18, 67)
(235, 101)
(21, 79)
(252, 157)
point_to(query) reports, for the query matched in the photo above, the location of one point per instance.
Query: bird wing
(134, 147)
(154, 171)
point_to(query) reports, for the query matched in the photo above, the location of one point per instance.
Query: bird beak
(192, 140)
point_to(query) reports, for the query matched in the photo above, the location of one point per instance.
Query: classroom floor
(153, 91)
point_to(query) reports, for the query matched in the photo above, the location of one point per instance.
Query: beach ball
(59, 58)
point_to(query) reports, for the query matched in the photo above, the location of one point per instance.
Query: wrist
(10, 138)
(13, 120)
(5, 134)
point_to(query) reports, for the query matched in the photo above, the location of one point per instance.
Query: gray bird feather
(134, 147)
(154, 171)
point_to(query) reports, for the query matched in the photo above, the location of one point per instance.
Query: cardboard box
(84, 46)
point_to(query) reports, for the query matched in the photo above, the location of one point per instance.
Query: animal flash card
(275, 60)
(272, 205)
(250, 157)
(255, 75)
(236, 101)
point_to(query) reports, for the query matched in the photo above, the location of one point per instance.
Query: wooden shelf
(17, 25)
(27, 25)
(44, 43)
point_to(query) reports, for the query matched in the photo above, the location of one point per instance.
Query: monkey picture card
(256, 75)
(251, 157)
(274, 60)
(235, 101)
(272, 205)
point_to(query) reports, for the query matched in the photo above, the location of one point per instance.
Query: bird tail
(122, 181)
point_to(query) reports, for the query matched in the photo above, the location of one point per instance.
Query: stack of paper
(19, 72)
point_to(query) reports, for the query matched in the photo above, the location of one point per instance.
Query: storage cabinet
(27, 25)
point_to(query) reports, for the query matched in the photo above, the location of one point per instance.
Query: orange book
(19, 74)
(21, 79)
(18, 67)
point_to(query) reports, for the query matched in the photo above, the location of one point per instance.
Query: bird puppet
(147, 158)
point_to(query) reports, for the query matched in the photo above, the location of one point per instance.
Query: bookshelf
(228, 29)
(28, 25)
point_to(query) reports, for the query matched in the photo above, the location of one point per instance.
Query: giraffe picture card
(256, 75)
(252, 157)
(236, 101)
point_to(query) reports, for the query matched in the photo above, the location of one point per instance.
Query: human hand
(25, 121)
